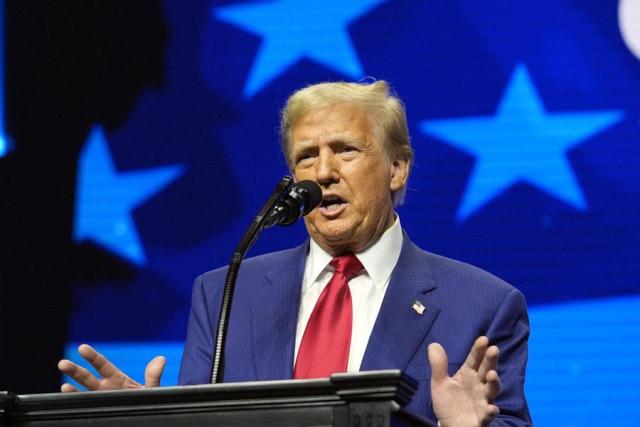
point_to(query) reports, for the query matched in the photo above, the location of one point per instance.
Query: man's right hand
(112, 377)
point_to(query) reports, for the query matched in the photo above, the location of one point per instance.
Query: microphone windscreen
(313, 195)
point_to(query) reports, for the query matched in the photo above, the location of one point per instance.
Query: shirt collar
(379, 259)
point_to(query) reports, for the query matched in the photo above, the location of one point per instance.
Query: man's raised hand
(466, 398)
(112, 377)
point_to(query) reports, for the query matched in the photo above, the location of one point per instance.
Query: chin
(337, 237)
(336, 227)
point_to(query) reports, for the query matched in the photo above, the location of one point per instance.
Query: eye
(304, 158)
(348, 149)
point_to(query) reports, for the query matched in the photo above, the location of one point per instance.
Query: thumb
(438, 362)
(153, 371)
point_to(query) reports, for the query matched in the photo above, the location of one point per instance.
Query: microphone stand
(249, 238)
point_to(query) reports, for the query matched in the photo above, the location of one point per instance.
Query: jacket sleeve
(198, 349)
(509, 330)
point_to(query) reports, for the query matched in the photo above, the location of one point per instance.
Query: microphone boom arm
(248, 239)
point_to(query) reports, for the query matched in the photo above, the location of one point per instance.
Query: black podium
(365, 399)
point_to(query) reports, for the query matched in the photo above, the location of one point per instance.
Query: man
(358, 295)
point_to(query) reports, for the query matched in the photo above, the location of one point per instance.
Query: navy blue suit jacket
(462, 302)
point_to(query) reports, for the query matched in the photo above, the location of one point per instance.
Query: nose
(327, 167)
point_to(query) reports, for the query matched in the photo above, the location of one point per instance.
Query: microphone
(303, 197)
(281, 208)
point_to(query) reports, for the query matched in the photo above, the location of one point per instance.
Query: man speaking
(358, 295)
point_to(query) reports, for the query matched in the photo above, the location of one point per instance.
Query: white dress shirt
(367, 289)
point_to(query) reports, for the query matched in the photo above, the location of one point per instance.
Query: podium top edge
(340, 387)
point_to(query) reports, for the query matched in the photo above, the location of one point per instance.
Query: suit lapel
(399, 328)
(275, 315)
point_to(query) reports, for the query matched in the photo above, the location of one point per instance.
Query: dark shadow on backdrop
(69, 65)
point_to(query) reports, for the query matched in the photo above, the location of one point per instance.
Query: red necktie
(324, 348)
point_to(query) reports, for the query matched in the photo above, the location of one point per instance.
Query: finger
(438, 361)
(153, 371)
(68, 388)
(79, 374)
(493, 385)
(492, 412)
(489, 362)
(477, 353)
(98, 361)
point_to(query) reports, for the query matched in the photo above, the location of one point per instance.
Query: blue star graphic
(295, 29)
(105, 198)
(5, 142)
(521, 143)
(5, 145)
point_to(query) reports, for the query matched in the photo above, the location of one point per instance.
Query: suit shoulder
(256, 265)
(453, 273)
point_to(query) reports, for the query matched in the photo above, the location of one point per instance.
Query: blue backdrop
(525, 120)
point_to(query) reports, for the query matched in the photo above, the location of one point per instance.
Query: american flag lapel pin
(418, 307)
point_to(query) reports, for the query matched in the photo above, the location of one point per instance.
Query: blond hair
(384, 108)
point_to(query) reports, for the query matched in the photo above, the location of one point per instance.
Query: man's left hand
(466, 398)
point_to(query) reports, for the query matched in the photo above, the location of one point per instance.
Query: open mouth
(331, 204)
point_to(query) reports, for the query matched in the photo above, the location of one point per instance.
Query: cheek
(374, 184)
(311, 216)
(301, 174)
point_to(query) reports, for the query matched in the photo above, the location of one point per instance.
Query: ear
(399, 174)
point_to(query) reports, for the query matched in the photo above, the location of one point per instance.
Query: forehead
(333, 121)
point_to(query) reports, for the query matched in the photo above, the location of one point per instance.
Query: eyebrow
(338, 140)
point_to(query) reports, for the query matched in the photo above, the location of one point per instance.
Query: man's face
(337, 147)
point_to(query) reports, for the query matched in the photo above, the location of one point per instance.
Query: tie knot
(348, 265)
